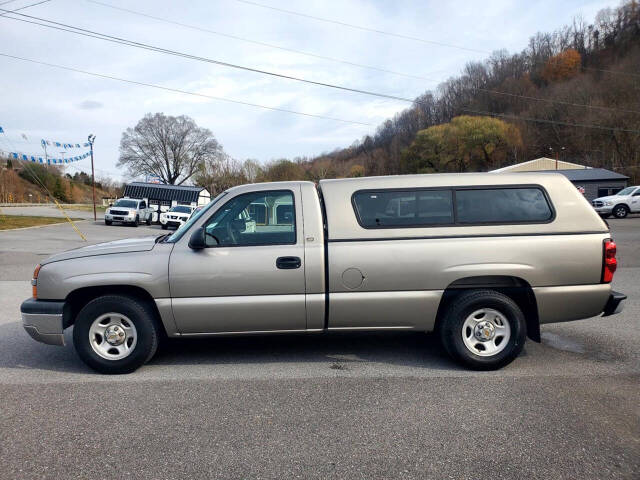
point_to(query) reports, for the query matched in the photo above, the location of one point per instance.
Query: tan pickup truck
(481, 259)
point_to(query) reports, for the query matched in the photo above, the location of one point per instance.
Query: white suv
(619, 205)
(176, 216)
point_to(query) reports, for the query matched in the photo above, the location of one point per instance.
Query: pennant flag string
(50, 160)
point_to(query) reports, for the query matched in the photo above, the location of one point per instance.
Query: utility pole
(92, 139)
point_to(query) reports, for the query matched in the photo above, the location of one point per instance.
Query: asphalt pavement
(329, 406)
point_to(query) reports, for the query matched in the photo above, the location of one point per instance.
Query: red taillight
(609, 262)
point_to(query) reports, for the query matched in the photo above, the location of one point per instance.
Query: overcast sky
(42, 102)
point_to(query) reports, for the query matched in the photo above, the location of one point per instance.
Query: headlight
(608, 204)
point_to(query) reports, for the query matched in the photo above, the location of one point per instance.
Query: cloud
(90, 105)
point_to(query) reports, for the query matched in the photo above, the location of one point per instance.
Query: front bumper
(119, 218)
(615, 304)
(42, 319)
(604, 210)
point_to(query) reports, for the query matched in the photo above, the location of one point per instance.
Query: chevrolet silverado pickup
(481, 259)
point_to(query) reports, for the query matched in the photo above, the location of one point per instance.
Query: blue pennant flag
(40, 160)
(15, 155)
(48, 161)
(33, 159)
(24, 157)
(1, 130)
(77, 145)
(43, 142)
(58, 144)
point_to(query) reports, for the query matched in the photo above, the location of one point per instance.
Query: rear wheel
(149, 220)
(115, 334)
(483, 329)
(620, 211)
(164, 226)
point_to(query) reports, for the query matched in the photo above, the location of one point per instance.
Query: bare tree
(172, 148)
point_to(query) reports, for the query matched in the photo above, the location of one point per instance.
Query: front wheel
(107, 222)
(164, 226)
(115, 334)
(136, 222)
(620, 211)
(483, 329)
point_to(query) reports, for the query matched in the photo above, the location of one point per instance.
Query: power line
(131, 43)
(263, 44)
(528, 119)
(556, 122)
(22, 8)
(360, 27)
(185, 92)
(119, 40)
(406, 37)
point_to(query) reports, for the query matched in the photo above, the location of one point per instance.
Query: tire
(164, 226)
(496, 309)
(136, 222)
(108, 222)
(620, 211)
(149, 220)
(139, 344)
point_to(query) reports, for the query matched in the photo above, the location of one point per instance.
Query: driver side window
(256, 218)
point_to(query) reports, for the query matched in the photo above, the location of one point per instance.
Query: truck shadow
(339, 351)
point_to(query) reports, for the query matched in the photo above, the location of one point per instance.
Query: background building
(597, 182)
(162, 197)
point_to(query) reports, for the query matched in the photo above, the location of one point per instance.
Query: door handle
(288, 263)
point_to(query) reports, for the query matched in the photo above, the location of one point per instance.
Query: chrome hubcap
(486, 332)
(113, 336)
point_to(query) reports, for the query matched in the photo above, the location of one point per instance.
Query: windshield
(180, 209)
(126, 203)
(177, 235)
(626, 191)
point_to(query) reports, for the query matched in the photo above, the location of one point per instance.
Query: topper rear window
(402, 208)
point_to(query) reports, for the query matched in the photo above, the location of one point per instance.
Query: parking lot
(335, 406)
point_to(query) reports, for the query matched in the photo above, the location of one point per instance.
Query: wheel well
(77, 299)
(513, 287)
(626, 207)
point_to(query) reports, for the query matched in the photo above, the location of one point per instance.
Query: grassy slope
(8, 222)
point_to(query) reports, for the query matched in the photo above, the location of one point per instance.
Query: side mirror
(198, 239)
(111, 204)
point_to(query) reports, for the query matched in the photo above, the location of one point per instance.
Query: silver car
(481, 259)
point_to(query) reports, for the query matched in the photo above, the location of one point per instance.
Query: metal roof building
(542, 163)
(597, 182)
(162, 194)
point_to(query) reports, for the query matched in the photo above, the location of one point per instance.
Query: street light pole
(91, 139)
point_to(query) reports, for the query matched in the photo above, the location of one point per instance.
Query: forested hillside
(574, 93)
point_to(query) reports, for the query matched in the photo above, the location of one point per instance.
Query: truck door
(635, 201)
(251, 276)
